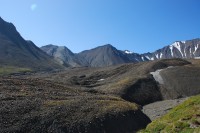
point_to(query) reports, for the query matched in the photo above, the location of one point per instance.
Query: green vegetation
(11, 69)
(115, 106)
(184, 118)
(107, 104)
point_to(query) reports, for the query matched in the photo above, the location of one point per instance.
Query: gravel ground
(158, 109)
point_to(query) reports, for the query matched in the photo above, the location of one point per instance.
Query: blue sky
(137, 25)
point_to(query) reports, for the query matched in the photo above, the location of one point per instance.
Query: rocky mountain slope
(179, 49)
(62, 54)
(15, 51)
(107, 55)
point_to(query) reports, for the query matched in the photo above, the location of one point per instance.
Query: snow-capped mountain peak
(179, 49)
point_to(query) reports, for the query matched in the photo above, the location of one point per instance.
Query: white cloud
(33, 7)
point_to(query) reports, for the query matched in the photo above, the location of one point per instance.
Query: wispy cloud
(33, 7)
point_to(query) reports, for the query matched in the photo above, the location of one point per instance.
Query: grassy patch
(184, 118)
(12, 69)
(124, 81)
(115, 106)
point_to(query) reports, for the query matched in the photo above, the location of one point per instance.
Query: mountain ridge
(178, 49)
(96, 57)
(16, 51)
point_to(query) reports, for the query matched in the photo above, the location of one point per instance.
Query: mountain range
(16, 51)
(96, 99)
(179, 49)
(108, 55)
(101, 56)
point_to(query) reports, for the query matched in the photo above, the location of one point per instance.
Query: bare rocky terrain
(15, 51)
(83, 99)
(158, 109)
(36, 105)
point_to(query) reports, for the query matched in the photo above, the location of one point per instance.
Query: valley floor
(90, 100)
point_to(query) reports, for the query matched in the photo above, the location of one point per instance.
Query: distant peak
(1, 20)
(50, 45)
(29, 41)
(185, 41)
(5, 24)
(179, 42)
(55, 46)
(107, 45)
(196, 39)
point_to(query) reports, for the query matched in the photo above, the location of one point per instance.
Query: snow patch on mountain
(161, 55)
(195, 49)
(171, 48)
(142, 58)
(127, 52)
(183, 42)
(157, 56)
(177, 46)
(185, 52)
(148, 57)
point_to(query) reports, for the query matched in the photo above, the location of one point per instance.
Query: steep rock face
(179, 49)
(15, 51)
(62, 54)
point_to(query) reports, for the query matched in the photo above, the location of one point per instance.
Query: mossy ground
(10, 69)
(184, 118)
